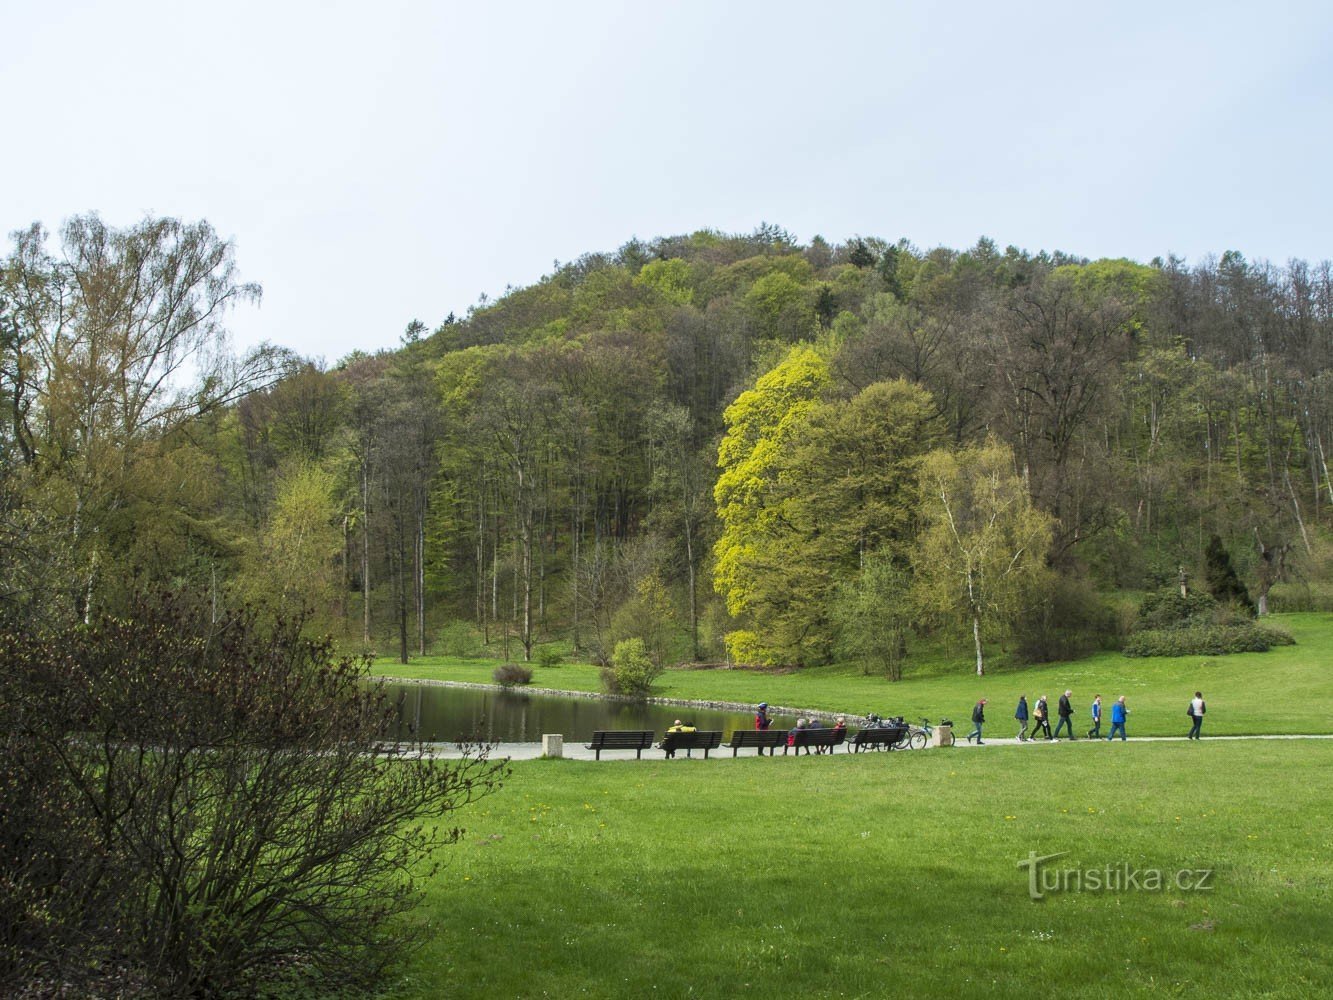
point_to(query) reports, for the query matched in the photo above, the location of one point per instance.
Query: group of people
(763, 721)
(1040, 717)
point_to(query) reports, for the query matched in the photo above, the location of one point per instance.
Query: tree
(873, 613)
(292, 568)
(1220, 575)
(111, 346)
(981, 555)
(199, 807)
(761, 424)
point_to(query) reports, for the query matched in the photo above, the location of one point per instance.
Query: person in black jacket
(1041, 718)
(1021, 714)
(978, 717)
(1066, 715)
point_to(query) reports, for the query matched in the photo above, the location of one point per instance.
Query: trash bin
(942, 736)
(553, 745)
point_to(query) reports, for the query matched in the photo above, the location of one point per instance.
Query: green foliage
(873, 615)
(980, 560)
(510, 674)
(673, 280)
(631, 671)
(1206, 640)
(1169, 609)
(196, 806)
(1071, 620)
(548, 658)
(1223, 583)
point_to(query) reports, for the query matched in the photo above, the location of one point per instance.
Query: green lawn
(1286, 690)
(882, 875)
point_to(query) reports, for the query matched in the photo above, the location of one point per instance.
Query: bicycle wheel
(918, 740)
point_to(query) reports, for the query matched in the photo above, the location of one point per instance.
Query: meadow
(881, 875)
(1287, 690)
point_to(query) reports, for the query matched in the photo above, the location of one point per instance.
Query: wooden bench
(671, 742)
(769, 739)
(878, 738)
(637, 740)
(820, 739)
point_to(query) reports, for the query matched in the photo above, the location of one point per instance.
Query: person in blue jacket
(1095, 733)
(1021, 714)
(1118, 714)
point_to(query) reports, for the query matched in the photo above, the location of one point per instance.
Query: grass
(1284, 691)
(886, 874)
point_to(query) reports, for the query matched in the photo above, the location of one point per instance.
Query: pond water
(448, 714)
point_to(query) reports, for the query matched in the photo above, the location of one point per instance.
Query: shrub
(458, 639)
(510, 674)
(1223, 583)
(1072, 621)
(195, 807)
(1206, 640)
(631, 671)
(1168, 609)
(548, 658)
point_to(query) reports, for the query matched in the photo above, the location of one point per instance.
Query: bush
(190, 807)
(1206, 640)
(509, 674)
(548, 658)
(1071, 622)
(458, 639)
(632, 670)
(1167, 609)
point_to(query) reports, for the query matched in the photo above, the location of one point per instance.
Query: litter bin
(942, 736)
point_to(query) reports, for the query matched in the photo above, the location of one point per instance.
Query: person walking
(978, 718)
(1021, 714)
(1118, 713)
(1066, 711)
(1196, 710)
(761, 719)
(1041, 718)
(1095, 733)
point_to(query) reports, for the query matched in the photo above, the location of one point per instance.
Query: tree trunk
(365, 553)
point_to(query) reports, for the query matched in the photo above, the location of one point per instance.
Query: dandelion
(1011, 817)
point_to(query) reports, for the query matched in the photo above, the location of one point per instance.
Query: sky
(379, 163)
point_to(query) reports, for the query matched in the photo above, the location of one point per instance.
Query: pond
(448, 714)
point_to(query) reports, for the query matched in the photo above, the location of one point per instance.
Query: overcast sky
(375, 163)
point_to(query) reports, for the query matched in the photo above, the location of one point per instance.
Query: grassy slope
(1286, 690)
(875, 875)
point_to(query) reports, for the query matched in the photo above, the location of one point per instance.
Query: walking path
(574, 750)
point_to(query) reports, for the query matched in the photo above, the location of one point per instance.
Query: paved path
(575, 750)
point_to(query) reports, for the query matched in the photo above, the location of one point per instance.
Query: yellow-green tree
(761, 427)
(981, 556)
(293, 566)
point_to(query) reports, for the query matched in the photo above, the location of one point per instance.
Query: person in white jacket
(1197, 708)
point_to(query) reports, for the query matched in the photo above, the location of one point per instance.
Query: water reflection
(446, 714)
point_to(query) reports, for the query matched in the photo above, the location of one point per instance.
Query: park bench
(878, 738)
(820, 739)
(671, 742)
(762, 738)
(637, 740)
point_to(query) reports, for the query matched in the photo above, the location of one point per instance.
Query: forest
(735, 448)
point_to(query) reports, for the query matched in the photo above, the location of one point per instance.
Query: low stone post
(553, 745)
(942, 736)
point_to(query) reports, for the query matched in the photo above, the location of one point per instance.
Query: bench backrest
(879, 736)
(691, 741)
(758, 738)
(622, 739)
(818, 737)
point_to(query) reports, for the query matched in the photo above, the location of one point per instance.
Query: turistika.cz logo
(1045, 879)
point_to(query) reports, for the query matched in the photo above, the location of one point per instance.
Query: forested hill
(727, 446)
